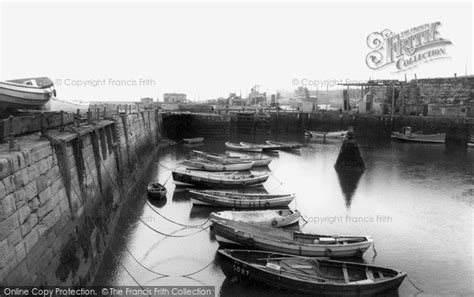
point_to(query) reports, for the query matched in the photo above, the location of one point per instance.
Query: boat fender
(274, 223)
(328, 252)
(243, 183)
(267, 204)
(280, 212)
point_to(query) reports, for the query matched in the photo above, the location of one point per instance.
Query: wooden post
(62, 121)
(78, 121)
(105, 112)
(11, 134)
(118, 109)
(89, 116)
(402, 95)
(393, 101)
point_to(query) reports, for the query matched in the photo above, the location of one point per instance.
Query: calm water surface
(415, 200)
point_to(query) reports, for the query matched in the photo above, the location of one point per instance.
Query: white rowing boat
(269, 218)
(215, 166)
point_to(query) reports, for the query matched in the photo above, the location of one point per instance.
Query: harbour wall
(60, 195)
(182, 125)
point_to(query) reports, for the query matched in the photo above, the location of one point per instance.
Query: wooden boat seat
(346, 274)
(369, 274)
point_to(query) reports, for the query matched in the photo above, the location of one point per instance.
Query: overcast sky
(207, 50)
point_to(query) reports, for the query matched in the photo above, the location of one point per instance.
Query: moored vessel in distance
(269, 218)
(27, 93)
(264, 147)
(217, 180)
(290, 241)
(218, 166)
(69, 105)
(406, 134)
(334, 134)
(313, 276)
(241, 200)
(242, 148)
(285, 145)
(193, 140)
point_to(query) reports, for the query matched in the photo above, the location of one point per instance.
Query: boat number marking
(240, 270)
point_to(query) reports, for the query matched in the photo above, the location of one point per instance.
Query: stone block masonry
(60, 196)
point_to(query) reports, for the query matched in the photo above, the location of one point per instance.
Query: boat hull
(193, 140)
(233, 267)
(200, 198)
(429, 138)
(269, 218)
(336, 134)
(240, 148)
(211, 181)
(15, 94)
(218, 167)
(284, 145)
(242, 238)
(224, 159)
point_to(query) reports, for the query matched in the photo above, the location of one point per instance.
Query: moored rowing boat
(193, 140)
(239, 147)
(215, 180)
(241, 200)
(318, 277)
(259, 160)
(269, 218)
(290, 241)
(285, 145)
(215, 166)
(334, 134)
(264, 147)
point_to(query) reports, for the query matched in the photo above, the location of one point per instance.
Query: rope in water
(174, 222)
(413, 284)
(164, 274)
(81, 198)
(140, 219)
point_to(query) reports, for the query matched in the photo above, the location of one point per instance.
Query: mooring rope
(171, 174)
(416, 287)
(141, 220)
(174, 222)
(166, 234)
(152, 208)
(164, 274)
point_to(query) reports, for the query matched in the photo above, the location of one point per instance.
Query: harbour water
(415, 200)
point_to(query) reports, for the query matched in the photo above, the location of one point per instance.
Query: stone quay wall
(60, 196)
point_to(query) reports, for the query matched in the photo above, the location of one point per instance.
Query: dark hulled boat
(321, 277)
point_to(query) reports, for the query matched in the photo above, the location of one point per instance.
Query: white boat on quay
(27, 93)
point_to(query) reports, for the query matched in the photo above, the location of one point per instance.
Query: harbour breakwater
(180, 125)
(61, 193)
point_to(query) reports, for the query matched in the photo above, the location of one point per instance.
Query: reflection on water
(415, 200)
(348, 181)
